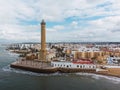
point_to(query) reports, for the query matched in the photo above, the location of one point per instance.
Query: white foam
(96, 76)
(115, 80)
(12, 54)
(9, 69)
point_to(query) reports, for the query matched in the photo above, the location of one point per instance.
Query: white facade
(113, 60)
(50, 55)
(72, 65)
(109, 66)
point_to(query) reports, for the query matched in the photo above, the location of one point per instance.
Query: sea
(15, 79)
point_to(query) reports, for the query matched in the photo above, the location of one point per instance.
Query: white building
(113, 60)
(65, 64)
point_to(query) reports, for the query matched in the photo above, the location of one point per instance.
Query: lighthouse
(42, 56)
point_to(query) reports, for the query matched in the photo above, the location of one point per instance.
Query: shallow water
(14, 79)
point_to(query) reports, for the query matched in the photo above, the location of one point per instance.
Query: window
(114, 59)
(93, 66)
(53, 65)
(90, 67)
(77, 65)
(67, 66)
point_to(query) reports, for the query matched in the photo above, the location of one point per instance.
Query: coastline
(48, 70)
(51, 69)
(107, 74)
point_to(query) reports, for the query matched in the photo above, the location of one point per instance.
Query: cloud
(74, 24)
(87, 20)
(19, 33)
(55, 28)
(107, 22)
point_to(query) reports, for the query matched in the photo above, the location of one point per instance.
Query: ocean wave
(9, 69)
(115, 80)
(112, 79)
(12, 54)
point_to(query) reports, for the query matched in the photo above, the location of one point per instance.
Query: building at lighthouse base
(73, 65)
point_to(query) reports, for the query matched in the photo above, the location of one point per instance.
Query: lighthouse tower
(43, 50)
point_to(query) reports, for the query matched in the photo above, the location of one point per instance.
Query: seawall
(51, 69)
(37, 70)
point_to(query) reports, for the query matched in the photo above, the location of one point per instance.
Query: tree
(94, 59)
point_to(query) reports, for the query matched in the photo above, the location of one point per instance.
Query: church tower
(43, 42)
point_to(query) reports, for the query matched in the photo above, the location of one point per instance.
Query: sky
(66, 20)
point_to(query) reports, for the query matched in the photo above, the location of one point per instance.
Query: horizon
(75, 21)
(61, 43)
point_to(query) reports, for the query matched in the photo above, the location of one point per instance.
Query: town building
(113, 60)
(74, 65)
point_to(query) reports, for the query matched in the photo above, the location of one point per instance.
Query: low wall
(64, 70)
(74, 70)
(51, 70)
(38, 70)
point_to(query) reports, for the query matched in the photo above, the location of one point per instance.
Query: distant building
(113, 60)
(87, 53)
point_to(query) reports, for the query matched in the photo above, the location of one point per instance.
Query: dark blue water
(12, 79)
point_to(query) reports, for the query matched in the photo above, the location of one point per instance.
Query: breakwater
(50, 69)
